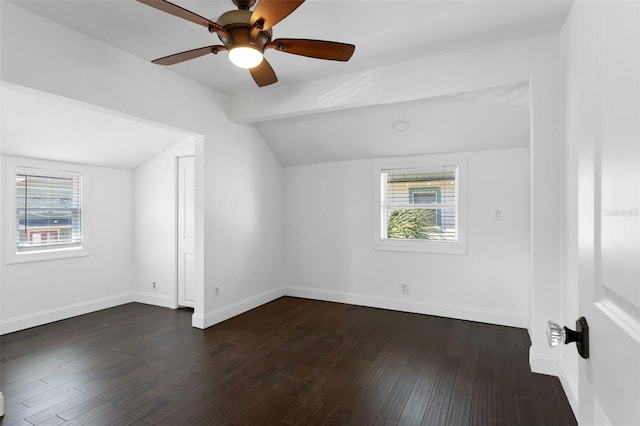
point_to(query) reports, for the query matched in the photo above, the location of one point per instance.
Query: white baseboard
(151, 299)
(415, 306)
(35, 319)
(570, 387)
(543, 364)
(214, 317)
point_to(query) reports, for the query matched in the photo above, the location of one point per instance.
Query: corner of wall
(543, 364)
(208, 319)
(161, 300)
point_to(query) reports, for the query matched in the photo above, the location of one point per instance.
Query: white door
(186, 232)
(609, 222)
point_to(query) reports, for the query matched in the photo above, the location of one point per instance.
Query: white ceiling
(384, 32)
(52, 128)
(490, 119)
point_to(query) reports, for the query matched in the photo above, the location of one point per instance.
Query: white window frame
(11, 166)
(458, 247)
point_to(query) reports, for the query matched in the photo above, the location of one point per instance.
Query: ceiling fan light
(245, 57)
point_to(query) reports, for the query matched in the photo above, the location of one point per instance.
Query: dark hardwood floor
(292, 361)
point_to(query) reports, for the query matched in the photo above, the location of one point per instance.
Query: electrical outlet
(404, 288)
(154, 285)
(216, 291)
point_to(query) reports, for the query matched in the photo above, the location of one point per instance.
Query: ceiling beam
(488, 66)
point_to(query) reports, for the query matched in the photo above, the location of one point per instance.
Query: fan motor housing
(244, 4)
(237, 23)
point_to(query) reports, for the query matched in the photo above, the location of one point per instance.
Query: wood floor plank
(482, 406)
(16, 413)
(51, 421)
(443, 390)
(466, 374)
(394, 404)
(289, 362)
(434, 416)
(417, 402)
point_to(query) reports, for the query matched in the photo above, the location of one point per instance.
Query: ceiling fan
(246, 35)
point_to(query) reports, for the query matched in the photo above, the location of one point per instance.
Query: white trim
(570, 388)
(240, 307)
(208, 319)
(425, 246)
(511, 319)
(35, 319)
(197, 321)
(11, 256)
(152, 299)
(178, 154)
(543, 364)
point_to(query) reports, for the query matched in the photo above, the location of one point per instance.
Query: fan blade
(319, 49)
(270, 12)
(263, 74)
(189, 54)
(183, 13)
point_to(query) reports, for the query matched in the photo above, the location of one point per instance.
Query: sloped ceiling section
(492, 118)
(384, 31)
(387, 34)
(515, 94)
(49, 127)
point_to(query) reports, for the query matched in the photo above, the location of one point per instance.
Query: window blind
(48, 209)
(420, 203)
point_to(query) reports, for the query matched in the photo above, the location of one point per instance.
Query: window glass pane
(425, 197)
(420, 203)
(48, 210)
(411, 223)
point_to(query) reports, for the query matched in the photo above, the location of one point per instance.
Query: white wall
(35, 293)
(242, 229)
(535, 59)
(155, 227)
(330, 243)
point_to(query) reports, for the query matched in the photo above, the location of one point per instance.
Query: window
(421, 206)
(48, 219)
(48, 209)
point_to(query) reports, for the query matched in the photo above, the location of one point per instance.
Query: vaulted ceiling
(56, 129)
(384, 32)
(493, 118)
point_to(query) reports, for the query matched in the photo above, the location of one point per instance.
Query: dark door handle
(557, 334)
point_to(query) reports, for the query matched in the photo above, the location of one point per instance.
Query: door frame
(185, 150)
(184, 153)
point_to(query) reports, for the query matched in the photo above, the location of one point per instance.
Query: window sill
(422, 247)
(38, 256)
